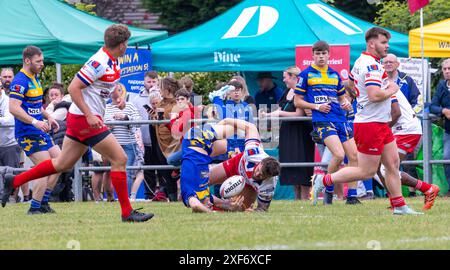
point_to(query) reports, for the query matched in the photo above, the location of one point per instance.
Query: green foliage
(395, 15)
(48, 75)
(89, 8)
(179, 15)
(204, 82)
(360, 9)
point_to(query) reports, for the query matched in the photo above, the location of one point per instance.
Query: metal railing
(426, 162)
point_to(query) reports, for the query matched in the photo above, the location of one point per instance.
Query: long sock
(351, 193)
(330, 189)
(43, 169)
(119, 182)
(422, 186)
(46, 196)
(327, 180)
(368, 185)
(397, 201)
(35, 204)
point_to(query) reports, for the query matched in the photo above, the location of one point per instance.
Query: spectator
(179, 122)
(440, 105)
(166, 142)
(411, 92)
(125, 135)
(6, 77)
(247, 97)
(101, 181)
(151, 84)
(295, 144)
(9, 149)
(406, 83)
(269, 93)
(57, 108)
(230, 104)
(187, 83)
(59, 104)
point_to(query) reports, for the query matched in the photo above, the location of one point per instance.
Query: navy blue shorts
(343, 130)
(194, 181)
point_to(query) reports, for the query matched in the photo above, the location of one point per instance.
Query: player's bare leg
(114, 153)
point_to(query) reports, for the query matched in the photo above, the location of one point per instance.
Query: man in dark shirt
(269, 93)
(440, 105)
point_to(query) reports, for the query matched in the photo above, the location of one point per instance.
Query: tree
(180, 15)
(359, 9)
(395, 15)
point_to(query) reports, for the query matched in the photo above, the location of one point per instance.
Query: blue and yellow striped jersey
(319, 86)
(27, 88)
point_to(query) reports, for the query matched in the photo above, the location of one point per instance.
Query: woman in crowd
(125, 134)
(295, 144)
(166, 142)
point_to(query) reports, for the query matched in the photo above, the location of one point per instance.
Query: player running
(254, 164)
(373, 135)
(407, 131)
(92, 86)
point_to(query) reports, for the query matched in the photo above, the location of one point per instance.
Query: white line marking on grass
(423, 239)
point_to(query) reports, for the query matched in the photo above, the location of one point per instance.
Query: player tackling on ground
(373, 135)
(91, 87)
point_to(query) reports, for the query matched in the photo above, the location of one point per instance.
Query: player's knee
(339, 157)
(119, 160)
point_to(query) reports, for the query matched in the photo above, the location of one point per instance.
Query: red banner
(339, 58)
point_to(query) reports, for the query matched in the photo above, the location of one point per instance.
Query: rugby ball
(232, 186)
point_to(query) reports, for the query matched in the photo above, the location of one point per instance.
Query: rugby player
(254, 164)
(92, 86)
(320, 89)
(373, 136)
(407, 132)
(26, 97)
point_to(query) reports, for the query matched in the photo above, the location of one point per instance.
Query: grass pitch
(288, 225)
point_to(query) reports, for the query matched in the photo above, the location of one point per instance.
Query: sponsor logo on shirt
(19, 89)
(34, 111)
(372, 67)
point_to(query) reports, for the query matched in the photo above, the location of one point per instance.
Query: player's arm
(75, 89)
(300, 102)
(51, 121)
(395, 112)
(376, 94)
(16, 109)
(197, 206)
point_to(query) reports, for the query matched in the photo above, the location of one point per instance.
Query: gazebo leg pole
(58, 72)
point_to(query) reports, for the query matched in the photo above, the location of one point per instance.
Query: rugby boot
(405, 210)
(317, 187)
(47, 209)
(35, 211)
(430, 197)
(8, 188)
(353, 200)
(136, 216)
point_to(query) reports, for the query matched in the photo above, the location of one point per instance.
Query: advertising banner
(134, 64)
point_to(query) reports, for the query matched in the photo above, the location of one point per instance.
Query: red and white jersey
(408, 123)
(253, 154)
(100, 74)
(368, 71)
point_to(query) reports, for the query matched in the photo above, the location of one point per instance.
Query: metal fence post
(77, 184)
(427, 147)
